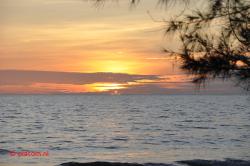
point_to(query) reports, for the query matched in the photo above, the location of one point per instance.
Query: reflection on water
(125, 128)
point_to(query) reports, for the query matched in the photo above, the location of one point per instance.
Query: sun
(114, 66)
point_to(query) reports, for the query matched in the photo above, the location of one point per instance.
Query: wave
(4, 152)
(196, 162)
(228, 162)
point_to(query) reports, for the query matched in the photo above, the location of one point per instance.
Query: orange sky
(74, 36)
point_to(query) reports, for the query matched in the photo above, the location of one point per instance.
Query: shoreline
(195, 162)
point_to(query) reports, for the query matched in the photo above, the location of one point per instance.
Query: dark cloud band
(22, 77)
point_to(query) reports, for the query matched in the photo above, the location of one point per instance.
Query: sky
(74, 46)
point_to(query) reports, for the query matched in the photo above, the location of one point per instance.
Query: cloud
(23, 77)
(168, 86)
(24, 81)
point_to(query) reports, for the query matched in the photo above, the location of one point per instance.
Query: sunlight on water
(124, 128)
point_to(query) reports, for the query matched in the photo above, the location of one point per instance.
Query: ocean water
(124, 128)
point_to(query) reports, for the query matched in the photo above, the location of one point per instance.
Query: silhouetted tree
(219, 52)
(208, 52)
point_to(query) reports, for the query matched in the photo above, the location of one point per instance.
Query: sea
(123, 128)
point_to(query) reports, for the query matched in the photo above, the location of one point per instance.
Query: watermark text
(28, 154)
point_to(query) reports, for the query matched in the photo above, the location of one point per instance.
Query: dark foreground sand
(228, 162)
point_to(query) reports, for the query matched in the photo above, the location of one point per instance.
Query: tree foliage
(220, 52)
(215, 41)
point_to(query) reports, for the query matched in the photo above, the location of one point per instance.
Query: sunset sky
(73, 46)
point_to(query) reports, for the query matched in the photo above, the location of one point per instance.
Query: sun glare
(114, 66)
(103, 87)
